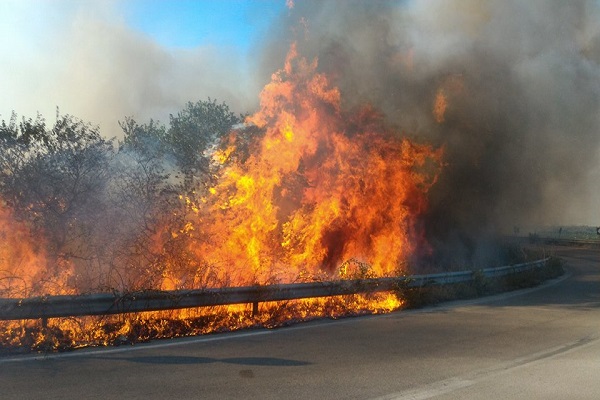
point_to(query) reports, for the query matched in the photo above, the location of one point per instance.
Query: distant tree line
(109, 212)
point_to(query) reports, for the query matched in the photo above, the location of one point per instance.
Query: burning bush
(303, 191)
(322, 186)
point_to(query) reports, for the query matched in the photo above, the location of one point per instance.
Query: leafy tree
(148, 140)
(56, 178)
(195, 130)
(156, 170)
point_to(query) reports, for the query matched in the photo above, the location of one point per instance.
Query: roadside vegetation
(80, 213)
(482, 286)
(65, 334)
(574, 232)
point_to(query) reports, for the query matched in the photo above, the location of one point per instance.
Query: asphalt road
(542, 343)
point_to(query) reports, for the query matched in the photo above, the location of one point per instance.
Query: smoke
(522, 86)
(83, 58)
(520, 82)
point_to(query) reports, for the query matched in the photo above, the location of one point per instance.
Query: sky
(103, 60)
(188, 24)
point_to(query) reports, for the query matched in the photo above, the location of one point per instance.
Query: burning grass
(62, 334)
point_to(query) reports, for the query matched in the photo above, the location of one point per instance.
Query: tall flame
(322, 194)
(322, 188)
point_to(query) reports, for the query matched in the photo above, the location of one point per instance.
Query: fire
(69, 333)
(24, 266)
(453, 86)
(322, 194)
(21, 261)
(322, 187)
(440, 105)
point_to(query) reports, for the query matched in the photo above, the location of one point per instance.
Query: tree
(148, 140)
(151, 198)
(194, 131)
(56, 179)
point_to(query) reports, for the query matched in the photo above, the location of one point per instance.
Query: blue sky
(188, 23)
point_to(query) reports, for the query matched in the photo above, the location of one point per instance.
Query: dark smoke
(522, 80)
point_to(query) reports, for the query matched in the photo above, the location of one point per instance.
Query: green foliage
(149, 140)
(416, 297)
(192, 133)
(511, 254)
(577, 232)
(54, 179)
(554, 268)
(194, 130)
(113, 218)
(53, 171)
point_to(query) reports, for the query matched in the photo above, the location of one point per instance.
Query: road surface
(542, 343)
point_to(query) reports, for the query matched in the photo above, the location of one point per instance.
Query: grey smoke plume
(522, 83)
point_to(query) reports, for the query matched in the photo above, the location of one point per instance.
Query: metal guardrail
(533, 239)
(569, 242)
(115, 303)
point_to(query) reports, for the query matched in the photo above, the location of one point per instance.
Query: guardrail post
(255, 309)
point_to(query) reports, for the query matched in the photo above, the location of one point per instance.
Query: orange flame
(440, 105)
(323, 194)
(322, 188)
(24, 267)
(20, 259)
(452, 86)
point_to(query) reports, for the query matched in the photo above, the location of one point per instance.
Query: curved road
(542, 343)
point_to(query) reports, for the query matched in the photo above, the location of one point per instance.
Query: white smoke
(83, 58)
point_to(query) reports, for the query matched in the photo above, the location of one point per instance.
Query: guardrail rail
(552, 240)
(118, 303)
